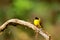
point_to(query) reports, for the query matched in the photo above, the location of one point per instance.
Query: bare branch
(21, 22)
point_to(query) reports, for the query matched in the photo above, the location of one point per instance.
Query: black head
(36, 18)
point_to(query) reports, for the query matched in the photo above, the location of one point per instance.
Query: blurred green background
(47, 10)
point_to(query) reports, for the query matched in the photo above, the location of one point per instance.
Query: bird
(37, 22)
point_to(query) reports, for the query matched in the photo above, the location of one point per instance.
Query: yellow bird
(37, 22)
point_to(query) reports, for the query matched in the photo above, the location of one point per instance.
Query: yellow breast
(36, 22)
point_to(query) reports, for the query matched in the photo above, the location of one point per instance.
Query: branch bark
(30, 25)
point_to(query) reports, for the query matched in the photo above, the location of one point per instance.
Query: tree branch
(21, 22)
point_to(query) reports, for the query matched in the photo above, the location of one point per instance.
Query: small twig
(36, 35)
(21, 22)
